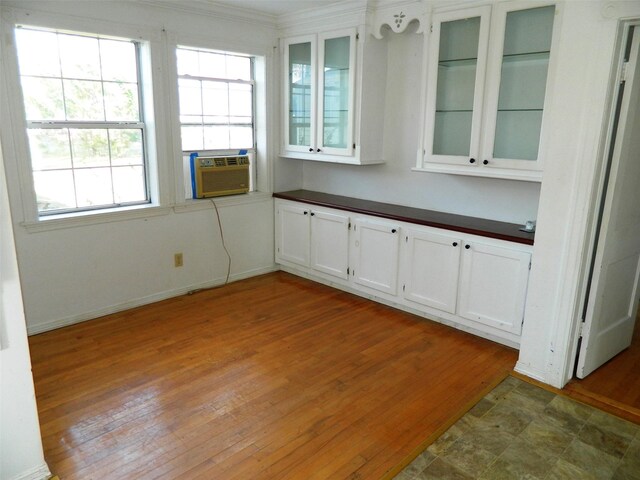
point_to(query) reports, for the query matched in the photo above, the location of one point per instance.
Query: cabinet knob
(455, 244)
(393, 230)
(318, 150)
(305, 212)
(311, 149)
(312, 214)
(472, 160)
(485, 162)
(467, 247)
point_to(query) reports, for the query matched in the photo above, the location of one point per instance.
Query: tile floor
(520, 431)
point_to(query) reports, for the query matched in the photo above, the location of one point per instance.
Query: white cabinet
(329, 243)
(493, 285)
(292, 233)
(375, 254)
(312, 237)
(431, 266)
(473, 282)
(486, 96)
(333, 106)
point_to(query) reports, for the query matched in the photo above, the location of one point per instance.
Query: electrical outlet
(177, 259)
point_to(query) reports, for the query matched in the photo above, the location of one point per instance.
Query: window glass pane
(90, 147)
(126, 147)
(96, 81)
(54, 190)
(121, 101)
(241, 137)
(216, 137)
(43, 98)
(93, 187)
(118, 61)
(190, 97)
(240, 100)
(38, 53)
(49, 148)
(128, 184)
(212, 65)
(238, 68)
(83, 100)
(192, 138)
(187, 62)
(215, 98)
(79, 57)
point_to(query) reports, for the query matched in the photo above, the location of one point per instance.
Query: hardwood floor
(272, 377)
(615, 386)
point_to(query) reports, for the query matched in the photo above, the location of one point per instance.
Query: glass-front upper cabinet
(486, 90)
(319, 96)
(457, 60)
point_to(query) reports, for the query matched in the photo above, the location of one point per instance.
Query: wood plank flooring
(615, 386)
(274, 377)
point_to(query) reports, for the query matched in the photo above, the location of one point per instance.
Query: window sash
(56, 124)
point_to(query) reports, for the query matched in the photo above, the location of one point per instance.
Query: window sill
(94, 217)
(191, 205)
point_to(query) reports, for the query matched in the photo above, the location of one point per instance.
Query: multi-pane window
(216, 100)
(84, 120)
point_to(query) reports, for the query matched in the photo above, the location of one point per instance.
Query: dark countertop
(430, 218)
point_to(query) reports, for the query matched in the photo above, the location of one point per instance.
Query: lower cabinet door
(432, 263)
(292, 234)
(493, 285)
(330, 243)
(375, 255)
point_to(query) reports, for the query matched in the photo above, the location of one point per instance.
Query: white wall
(21, 453)
(394, 182)
(90, 269)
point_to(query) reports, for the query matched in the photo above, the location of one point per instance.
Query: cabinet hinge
(529, 265)
(357, 36)
(278, 249)
(403, 287)
(623, 72)
(347, 270)
(349, 227)
(354, 146)
(406, 239)
(431, 28)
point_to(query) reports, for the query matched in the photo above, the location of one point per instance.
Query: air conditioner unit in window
(215, 176)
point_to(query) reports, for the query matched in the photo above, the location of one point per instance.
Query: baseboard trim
(534, 373)
(41, 472)
(138, 302)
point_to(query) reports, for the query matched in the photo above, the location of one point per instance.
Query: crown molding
(338, 14)
(213, 9)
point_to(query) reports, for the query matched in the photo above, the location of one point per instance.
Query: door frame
(601, 184)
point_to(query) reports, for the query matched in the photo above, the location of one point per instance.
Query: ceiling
(275, 7)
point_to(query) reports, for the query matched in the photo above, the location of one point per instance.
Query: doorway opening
(608, 350)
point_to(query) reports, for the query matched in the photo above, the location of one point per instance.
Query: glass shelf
(458, 62)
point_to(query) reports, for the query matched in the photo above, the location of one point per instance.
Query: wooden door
(613, 299)
(330, 243)
(375, 255)
(432, 264)
(493, 285)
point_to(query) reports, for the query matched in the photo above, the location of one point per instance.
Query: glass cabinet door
(300, 95)
(456, 68)
(523, 80)
(336, 93)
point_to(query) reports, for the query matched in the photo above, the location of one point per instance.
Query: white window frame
(262, 67)
(98, 125)
(251, 82)
(13, 117)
